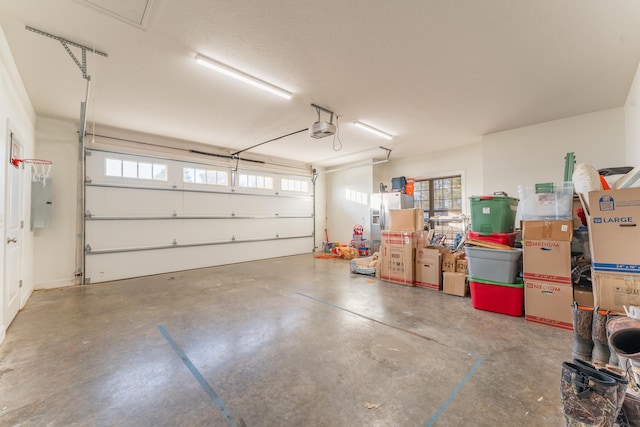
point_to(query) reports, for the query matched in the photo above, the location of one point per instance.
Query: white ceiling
(436, 74)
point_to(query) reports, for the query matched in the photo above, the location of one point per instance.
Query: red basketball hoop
(40, 169)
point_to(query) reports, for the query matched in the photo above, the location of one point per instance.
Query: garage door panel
(244, 229)
(116, 266)
(209, 204)
(272, 205)
(110, 201)
(118, 234)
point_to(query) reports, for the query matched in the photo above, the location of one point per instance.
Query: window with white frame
(297, 185)
(255, 181)
(136, 170)
(356, 196)
(204, 176)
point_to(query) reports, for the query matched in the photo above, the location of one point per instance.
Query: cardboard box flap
(558, 230)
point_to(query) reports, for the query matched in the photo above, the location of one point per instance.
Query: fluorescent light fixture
(373, 130)
(243, 77)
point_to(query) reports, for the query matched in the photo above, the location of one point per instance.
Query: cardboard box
(397, 256)
(583, 296)
(548, 304)
(547, 251)
(612, 291)
(406, 220)
(428, 268)
(462, 265)
(455, 284)
(614, 230)
(450, 259)
(557, 230)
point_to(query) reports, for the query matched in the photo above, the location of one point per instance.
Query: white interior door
(13, 250)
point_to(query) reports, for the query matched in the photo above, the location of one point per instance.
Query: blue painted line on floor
(454, 393)
(205, 385)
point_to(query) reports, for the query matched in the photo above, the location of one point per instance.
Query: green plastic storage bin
(493, 214)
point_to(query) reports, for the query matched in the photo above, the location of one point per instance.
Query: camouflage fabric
(600, 352)
(588, 398)
(582, 332)
(621, 385)
(631, 409)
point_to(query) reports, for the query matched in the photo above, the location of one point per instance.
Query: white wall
(632, 122)
(536, 153)
(55, 246)
(465, 161)
(320, 209)
(343, 214)
(15, 111)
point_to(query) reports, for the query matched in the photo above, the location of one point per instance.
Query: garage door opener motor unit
(321, 129)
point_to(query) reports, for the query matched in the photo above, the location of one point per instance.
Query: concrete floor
(294, 341)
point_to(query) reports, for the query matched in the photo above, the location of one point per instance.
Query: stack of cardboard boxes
(547, 272)
(454, 273)
(407, 259)
(398, 246)
(614, 236)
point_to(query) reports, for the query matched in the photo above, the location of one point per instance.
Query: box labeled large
(547, 251)
(548, 304)
(614, 230)
(428, 268)
(612, 291)
(397, 262)
(406, 220)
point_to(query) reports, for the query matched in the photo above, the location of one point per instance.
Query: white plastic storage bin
(494, 265)
(546, 201)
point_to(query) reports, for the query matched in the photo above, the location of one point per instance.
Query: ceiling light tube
(243, 77)
(373, 130)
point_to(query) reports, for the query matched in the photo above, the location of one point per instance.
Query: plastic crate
(548, 201)
(508, 239)
(493, 264)
(493, 214)
(497, 297)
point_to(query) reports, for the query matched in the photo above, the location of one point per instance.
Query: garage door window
(294, 185)
(135, 170)
(205, 176)
(255, 181)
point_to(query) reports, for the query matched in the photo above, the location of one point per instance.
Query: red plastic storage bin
(508, 239)
(503, 298)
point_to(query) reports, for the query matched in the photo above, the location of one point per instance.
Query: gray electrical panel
(41, 204)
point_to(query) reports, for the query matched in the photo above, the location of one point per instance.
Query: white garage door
(148, 215)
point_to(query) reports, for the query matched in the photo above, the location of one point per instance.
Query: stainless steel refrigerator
(380, 203)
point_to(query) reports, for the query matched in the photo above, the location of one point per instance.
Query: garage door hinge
(87, 180)
(21, 224)
(88, 214)
(87, 248)
(20, 284)
(88, 153)
(175, 242)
